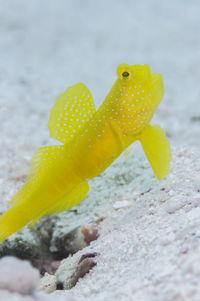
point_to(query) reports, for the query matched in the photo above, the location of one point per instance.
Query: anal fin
(70, 200)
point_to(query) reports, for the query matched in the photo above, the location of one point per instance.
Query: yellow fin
(157, 149)
(70, 200)
(20, 195)
(72, 109)
(40, 163)
(43, 159)
(127, 156)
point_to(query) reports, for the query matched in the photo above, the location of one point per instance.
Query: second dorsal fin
(41, 162)
(72, 109)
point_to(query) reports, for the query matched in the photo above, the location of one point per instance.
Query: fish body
(91, 141)
(126, 111)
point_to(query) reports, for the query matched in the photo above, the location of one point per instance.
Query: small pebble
(176, 203)
(73, 268)
(85, 264)
(89, 232)
(121, 204)
(18, 275)
(47, 283)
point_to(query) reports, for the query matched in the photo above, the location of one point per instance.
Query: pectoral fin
(157, 149)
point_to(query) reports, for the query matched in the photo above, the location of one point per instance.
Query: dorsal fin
(72, 109)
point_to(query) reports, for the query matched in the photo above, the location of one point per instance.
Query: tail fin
(14, 219)
(24, 207)
(33, 196)
(22, 213)
(51, 187)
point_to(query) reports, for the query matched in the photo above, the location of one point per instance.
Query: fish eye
(125, 74)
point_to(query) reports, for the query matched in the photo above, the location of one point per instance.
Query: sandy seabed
(144, 234)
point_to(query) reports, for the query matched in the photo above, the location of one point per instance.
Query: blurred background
(45, 46)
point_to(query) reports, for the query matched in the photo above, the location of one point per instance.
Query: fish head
(138, 93)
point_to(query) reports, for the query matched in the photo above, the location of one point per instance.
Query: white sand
(149, 249)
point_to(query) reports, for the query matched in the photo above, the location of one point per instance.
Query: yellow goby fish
(91, 141)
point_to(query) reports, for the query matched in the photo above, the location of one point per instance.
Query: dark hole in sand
(41, 258)
(59, 286)
(39, 253)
